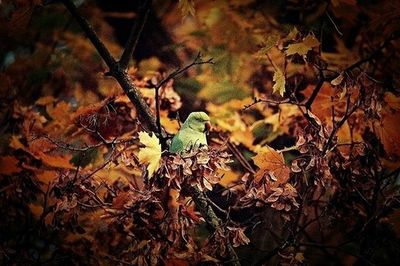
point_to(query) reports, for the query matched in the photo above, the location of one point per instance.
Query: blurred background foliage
(43, 53)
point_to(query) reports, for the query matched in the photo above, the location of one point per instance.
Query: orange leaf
(60, 112)
(15, 143)
(40, 145)
(388, 128)
(46, 177)
(45, 100)
(272, 162)
(8, 165)
(322, 105)
(176, 262)
(388, 132)
(57, 161)
(36, 210)
(229, 177)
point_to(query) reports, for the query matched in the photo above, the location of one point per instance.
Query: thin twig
(180, 70)
(177, 72)
(374, 54)
(239, 156)
(67, 146)
(349, 111)
(333, 23)
(316, 90)
(258, 100)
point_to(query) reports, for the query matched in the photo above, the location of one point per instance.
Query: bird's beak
(207, 126)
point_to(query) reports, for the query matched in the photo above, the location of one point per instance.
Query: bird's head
(198, 121)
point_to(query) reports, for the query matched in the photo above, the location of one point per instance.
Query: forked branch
(115, 68)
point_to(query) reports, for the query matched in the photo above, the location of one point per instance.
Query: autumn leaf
(387, 131)
(8, 165)
(303, 47)
(186, 7)
(151, 153)
(171, 126)
(57, 161)
(338, 80)
(272, 162)
(46, 177)
(228, 177)
(279, 79)
(327, 101)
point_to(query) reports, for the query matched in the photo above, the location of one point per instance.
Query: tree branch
(90, 33)
(316, 90)
(202, 203)
(180, 70)
(134, 35)
(116, 71)
(375, 53)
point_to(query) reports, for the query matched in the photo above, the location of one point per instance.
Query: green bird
(192, 133)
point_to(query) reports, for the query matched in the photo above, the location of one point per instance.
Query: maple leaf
(303, 47)
(151, 153)
(279, 79)
(272, 162)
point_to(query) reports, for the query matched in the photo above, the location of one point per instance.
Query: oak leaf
(151, 153)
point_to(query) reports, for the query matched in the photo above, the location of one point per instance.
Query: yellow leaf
(272, 162)
(151, 153)
(292, 34)
(186, 7)
(303, 47)
(299, 257)
(280, 82)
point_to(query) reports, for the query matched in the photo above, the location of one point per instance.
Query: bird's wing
(187, 138)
